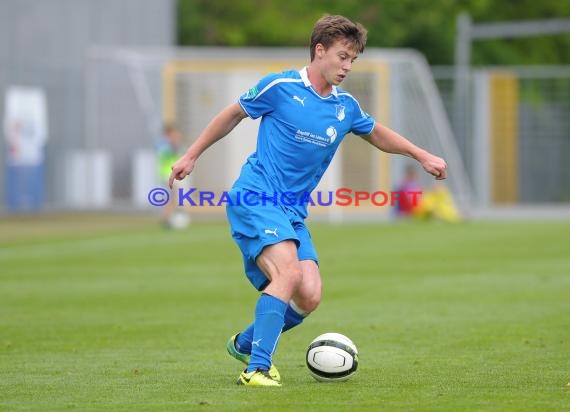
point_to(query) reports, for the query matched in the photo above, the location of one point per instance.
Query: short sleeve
(362, 122)
(259, 100)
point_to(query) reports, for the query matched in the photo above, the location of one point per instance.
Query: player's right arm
(222, 124)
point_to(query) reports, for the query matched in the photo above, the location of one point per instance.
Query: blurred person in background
(304, 118)
(411, 193)
(435, 203)
(168, 150)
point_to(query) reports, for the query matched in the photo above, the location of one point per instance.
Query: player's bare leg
(308, 295)
(280, 264)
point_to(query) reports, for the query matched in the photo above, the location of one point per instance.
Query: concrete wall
(43, 43)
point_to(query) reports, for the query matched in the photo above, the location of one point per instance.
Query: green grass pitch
(112, 313)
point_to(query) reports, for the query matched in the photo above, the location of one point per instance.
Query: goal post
(190, 85)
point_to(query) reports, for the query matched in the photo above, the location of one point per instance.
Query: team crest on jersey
(340, 115)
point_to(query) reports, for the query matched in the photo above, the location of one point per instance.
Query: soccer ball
(179, 220)
(332, 357)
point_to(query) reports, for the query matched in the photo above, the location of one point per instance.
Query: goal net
(131, 93)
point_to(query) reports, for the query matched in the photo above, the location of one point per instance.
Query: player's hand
(435, 166)
(182, 168)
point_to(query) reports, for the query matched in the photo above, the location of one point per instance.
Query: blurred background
(103, 309)
(87, 88)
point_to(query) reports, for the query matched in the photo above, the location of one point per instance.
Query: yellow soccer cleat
(259, 377)
(244, 358)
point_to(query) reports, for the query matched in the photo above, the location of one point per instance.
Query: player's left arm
(389, 141)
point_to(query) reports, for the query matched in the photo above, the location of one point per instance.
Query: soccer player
(304, 118)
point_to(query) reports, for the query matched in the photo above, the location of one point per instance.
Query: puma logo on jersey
(271, 232)
(302, 101)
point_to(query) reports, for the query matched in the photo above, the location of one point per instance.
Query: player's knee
(287, 276)
(311, 302)
(294, 275)
(308, 301)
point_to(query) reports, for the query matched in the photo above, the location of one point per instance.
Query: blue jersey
(299, 133)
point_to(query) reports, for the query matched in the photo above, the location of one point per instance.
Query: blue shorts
(254, 227)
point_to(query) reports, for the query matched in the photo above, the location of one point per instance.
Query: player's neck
(319, 83)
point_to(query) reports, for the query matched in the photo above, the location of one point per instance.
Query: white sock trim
(298, 309)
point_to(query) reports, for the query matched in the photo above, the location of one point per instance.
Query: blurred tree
(426, 26)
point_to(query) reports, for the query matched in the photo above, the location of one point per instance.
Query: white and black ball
(332, 357)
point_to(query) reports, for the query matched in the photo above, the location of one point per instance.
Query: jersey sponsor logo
(302, 101)
(313, 138)
(331, 133)
(340, 113)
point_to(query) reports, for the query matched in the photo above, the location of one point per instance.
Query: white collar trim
(305, 77)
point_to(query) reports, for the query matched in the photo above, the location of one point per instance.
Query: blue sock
(243, 341)
(269, 320)
(292, 318)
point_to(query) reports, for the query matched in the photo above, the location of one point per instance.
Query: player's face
(337, 61)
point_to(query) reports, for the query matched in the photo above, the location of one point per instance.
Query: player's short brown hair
(329, 29)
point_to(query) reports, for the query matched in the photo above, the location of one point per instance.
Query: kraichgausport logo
(340, 197)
